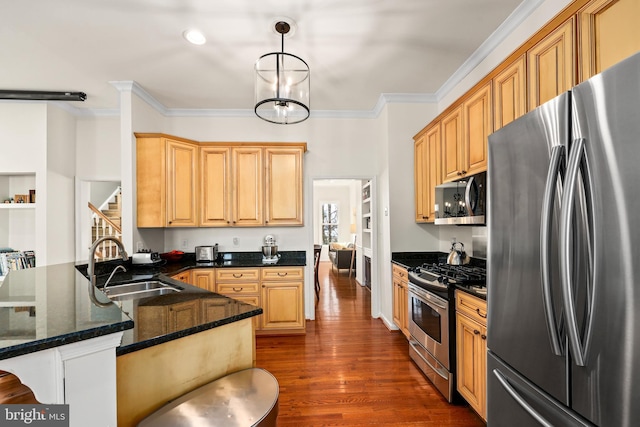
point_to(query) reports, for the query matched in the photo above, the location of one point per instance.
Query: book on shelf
(11, 260)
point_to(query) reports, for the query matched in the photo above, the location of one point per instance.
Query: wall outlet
(185, 243)
(139, 246)
(236, 241)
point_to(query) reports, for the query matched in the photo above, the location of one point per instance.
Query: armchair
(340, 255)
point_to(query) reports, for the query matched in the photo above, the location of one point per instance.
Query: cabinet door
(551, 65)
(213, 309)
(248, 186)
(471, 362)
(452, 145)
(184, 276)
(608, 32)
(204, 278)
(215, 186)
(282, 306)
(183, 315)
(478, 120)
(283, 191)
(421, 178)
(510, 93)
(182, 175)
(151, 183)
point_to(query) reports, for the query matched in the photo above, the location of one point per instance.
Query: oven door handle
(436, 370)
(432, 303)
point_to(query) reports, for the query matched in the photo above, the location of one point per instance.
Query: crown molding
(507, 27)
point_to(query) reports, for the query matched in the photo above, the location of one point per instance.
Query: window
(329, 223)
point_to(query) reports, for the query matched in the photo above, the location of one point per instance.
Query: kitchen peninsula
(64, 347)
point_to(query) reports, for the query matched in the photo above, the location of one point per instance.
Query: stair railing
(105, 227)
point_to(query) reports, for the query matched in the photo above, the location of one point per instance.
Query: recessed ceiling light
(194, 36)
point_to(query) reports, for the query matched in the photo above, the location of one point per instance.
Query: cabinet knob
(464, 172)
(476, 332)
(459, 173)
(483, 336)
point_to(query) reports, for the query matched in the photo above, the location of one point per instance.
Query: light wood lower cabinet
(204, 278)
(242, 284)
(400, 298)
(183, 276)
(159, 320)
(282, 300)
(471, 347)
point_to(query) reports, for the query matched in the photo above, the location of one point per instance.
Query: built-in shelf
(17, 205)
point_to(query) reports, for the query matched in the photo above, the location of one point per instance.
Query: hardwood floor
(350, 370)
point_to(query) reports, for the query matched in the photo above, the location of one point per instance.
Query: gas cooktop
(443, 276)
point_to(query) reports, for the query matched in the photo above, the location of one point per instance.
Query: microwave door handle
(557, 156)
(471, 204)
(519, 399)
(565, 249)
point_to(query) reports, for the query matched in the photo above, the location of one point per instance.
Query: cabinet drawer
(400, 273)
(232, 289)
(471, 306)
(237, 275)
(282, 273)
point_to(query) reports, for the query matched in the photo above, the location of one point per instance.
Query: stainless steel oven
(429, 346)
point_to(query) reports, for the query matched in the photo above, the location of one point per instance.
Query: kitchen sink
(137, 290)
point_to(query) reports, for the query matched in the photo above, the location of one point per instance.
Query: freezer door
(519, 162)
(515, 401)
(607, 119)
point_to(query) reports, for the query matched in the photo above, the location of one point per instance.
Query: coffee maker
(270, 253)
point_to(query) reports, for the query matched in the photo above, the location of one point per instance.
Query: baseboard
(390, 325)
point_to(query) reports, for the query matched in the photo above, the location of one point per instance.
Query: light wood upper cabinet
(248, 196)
(464, 136)
(283, 191)
(215, 186)
(452, 156)
(427, 172)
(608, 33)
(551, 64)
(166, 178)
(182, 177)
(478, 124)
(510, 93)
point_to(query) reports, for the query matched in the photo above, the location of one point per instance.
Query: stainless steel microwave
(462, 202)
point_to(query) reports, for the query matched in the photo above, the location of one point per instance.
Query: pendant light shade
(282, 85)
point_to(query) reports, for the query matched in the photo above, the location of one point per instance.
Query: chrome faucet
(92, 258)
(118, 267)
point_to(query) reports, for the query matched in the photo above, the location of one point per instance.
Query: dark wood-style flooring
(350, 370)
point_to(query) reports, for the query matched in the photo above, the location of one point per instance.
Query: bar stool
(317, 249)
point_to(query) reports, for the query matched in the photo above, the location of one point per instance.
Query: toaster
(206, 253)
(145, 258)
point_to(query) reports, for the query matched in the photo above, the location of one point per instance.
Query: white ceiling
(356, 49)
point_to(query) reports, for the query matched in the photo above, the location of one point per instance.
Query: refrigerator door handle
(568, 197)
(557, 156)
(521, 401)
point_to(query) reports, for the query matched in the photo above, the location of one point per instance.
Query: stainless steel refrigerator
(563, 264)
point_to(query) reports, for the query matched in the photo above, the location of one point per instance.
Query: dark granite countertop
(472, 291)
(49, 306)
(415, 259)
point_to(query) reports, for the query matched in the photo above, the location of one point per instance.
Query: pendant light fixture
(282, 85)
